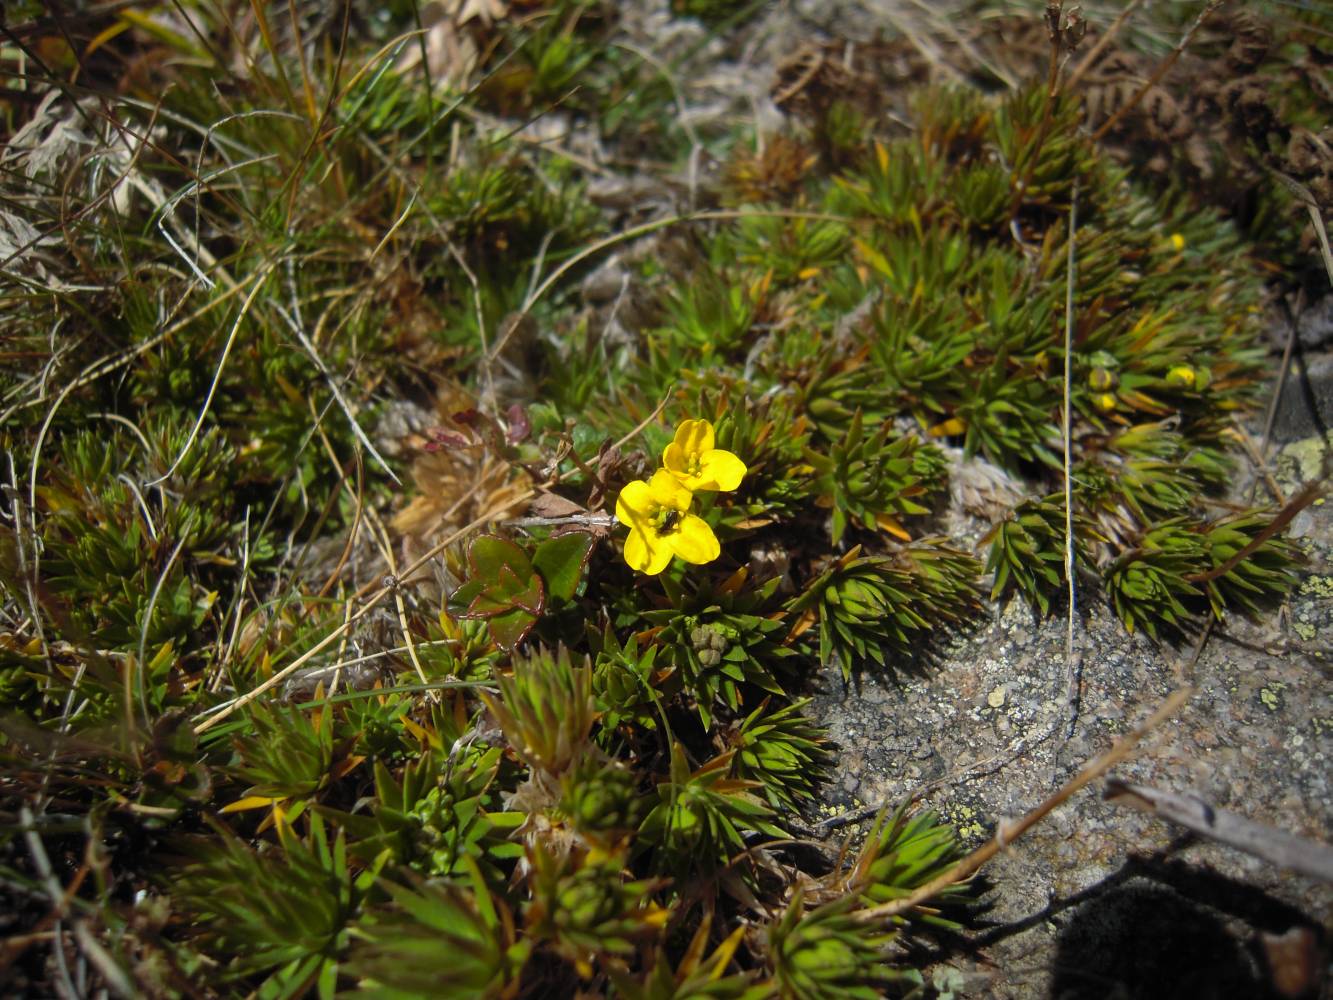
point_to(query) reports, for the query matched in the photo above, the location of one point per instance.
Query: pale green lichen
(1302, 462)
(1271, 695)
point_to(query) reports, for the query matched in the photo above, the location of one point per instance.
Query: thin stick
(1073, 662)
(294, 322)
(220, 712)
(1025, 166)
(259, 282)
(1163, 68)
(643, 229)
(1010, 832)
(1082, 68)
(1295, 505)
(657, 410)
(386, 549)
(1287, 850)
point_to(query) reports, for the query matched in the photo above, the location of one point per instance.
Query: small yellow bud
(1100, 380)
(1177, 242)
(1104, 401)
(1182, 376)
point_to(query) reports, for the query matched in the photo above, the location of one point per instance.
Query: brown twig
(1163, 68)
(1295, 505)
(1081, 70)
(1073, 657)
(1025, 170)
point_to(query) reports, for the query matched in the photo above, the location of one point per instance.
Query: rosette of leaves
(1150, 584)
(1027, 550)
(108, 564)
(282, 913)
(830, 952)
(695, 975)
(437, 939)
(458, 648)
(790, 248)
(1266, 572)
(1006, 414)
(785, 752)
(601, 798)
(701, 816)
(585, 909)
(721, 639)
(439, 818)
(287, 753)
(879, 609)
(546, 709)
(709, 314)
(1148, 470)
(623, 680)
(840, 386)
(375, 726)
(900, 854)
(1181, 568)
(869, 479)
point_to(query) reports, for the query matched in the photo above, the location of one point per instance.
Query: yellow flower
(693, 460)
(660, 525)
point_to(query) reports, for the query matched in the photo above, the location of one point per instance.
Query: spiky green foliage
(623, 681)
(901, 853)
(282, 912)
(602, 799)
(1027, 550)
(867, 479)
(877, 609)
(585, 909)
(546, 709)
(829, 951)
(286, 753)
(436, 939)
(701, 815)
(695, 976)
(1181, 568)
(723, 641)
(786, 752)
(441, 818)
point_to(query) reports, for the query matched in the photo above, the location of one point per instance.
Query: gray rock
(1099, 900)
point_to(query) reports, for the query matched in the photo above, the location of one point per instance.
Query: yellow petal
(667, 491)
(694, 437)
(635, 503)
(643, 555)
(720, 470)
(694, 540)
(676, 461)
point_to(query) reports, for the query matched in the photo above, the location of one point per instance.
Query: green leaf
(510, 628)
(560, 561)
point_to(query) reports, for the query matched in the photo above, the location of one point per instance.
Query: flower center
(666, 520)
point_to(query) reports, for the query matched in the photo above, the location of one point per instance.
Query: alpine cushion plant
(657, 511)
